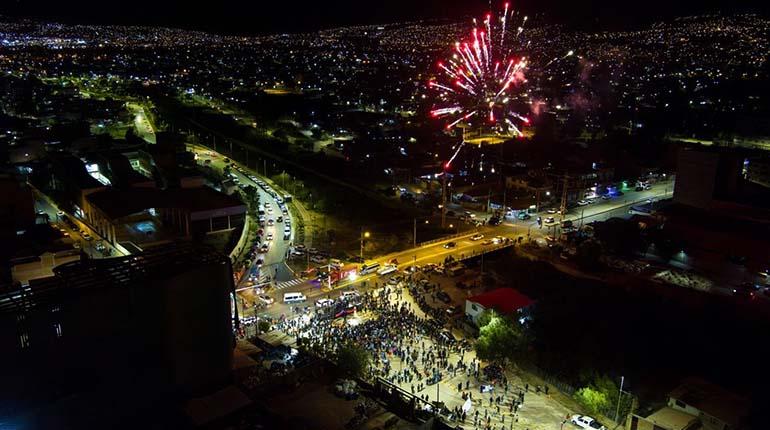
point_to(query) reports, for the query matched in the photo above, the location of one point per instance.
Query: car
(270, 222)
(317, 259)
(266, 299)
(639, 189)
(550, 220)
(279, 219)
(606, 197)
(498, 239)
(395, 279)
(264, 248)
(523, 216)
(586, 422)
(488, 242)
(450, 245)
(444, 297)
(87, 236)
(477, 236)
(583, 203)
(349, 295)
(551, 211)
(269, 236)
(60, 213)
(323, 303)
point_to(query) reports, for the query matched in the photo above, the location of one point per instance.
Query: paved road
(274, 261)
(142, 125)
(46, 205)
(465, 246)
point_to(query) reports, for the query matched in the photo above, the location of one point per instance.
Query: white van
(349, 295)
(368, 268)
(293, 297)
(387, 270)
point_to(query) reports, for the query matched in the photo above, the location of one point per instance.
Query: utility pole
(414, 234)
(620, 394)
(443, 199)
(363, 235)
(563, 208)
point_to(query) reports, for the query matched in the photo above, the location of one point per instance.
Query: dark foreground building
(104, 342)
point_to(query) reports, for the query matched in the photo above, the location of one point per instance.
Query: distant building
(705, 176)
(136, 214)
(507, 301)
(70, 180)
(696, 405)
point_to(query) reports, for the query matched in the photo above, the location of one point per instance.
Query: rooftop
(712, 400)
(504, 300)
(671, 418)
(121, 203)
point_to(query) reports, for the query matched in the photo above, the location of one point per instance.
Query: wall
(469, 311)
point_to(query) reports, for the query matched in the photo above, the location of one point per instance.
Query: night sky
(259, 16)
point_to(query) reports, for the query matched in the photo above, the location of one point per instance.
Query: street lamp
(414, 232)
(364, 235)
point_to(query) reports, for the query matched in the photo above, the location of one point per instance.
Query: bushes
(592, 400)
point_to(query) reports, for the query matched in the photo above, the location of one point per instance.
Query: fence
(443, 238)
(550, 379)
(494, 248)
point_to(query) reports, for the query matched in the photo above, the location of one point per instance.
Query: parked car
(477, 236)
(583, 203)
(450, 245)
(444, 297)
(266, 299)
(550, 220)
(586, 422)
(322, 303)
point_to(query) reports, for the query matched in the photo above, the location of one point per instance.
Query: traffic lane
(406, 256)
(313, 289)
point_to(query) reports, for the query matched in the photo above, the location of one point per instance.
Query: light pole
(620, 394)
(414, 232)
(364, 234)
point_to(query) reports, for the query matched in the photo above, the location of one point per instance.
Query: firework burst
(482, 78)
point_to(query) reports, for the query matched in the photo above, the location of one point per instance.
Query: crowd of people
(408, 350)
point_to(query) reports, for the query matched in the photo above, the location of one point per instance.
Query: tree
(601, 395)
(353, 360)
(500, 337)
(591, 399)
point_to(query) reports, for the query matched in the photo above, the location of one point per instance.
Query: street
(464, 246)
